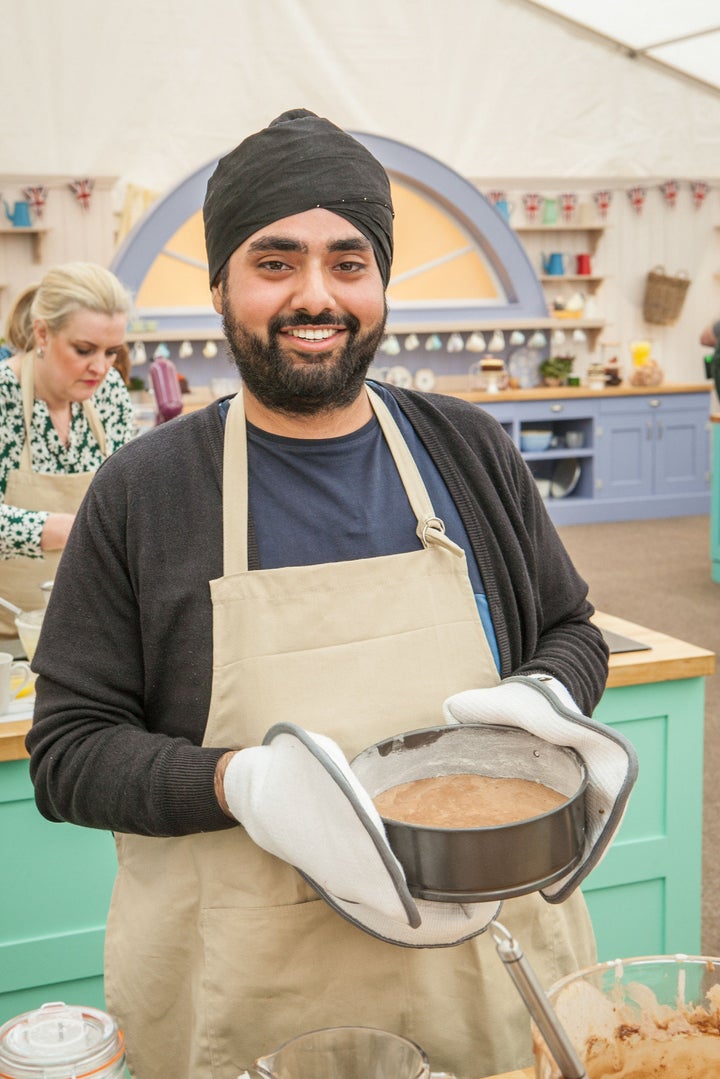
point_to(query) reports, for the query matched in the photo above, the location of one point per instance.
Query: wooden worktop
(524, 1073)
(565, 393)
(667, 660)
(456, 386)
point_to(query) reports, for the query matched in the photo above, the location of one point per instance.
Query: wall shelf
(544, 322)
(593, 281)
(36, 232)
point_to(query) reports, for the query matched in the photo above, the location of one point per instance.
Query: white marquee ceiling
(683, 36)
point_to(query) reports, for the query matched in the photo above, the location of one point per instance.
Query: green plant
(136, 383)
(557, 367)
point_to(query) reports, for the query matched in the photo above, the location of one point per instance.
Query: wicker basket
(664, 296)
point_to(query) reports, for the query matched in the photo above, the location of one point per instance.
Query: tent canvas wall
(499, 90)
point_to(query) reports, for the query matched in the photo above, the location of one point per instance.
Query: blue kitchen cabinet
(652, 448)
(643, 454)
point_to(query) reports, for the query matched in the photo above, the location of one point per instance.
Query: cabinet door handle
(654, 403)
(557, 408)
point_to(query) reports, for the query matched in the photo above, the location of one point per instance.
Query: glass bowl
(650, 1017)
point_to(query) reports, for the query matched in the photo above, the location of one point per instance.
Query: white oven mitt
(297, 797)
(542, 705)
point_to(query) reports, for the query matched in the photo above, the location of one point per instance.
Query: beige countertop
(668, 659)
(454, 386)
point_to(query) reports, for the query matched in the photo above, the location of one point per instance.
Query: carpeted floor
(657, 573)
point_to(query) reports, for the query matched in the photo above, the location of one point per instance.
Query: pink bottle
(167, 388)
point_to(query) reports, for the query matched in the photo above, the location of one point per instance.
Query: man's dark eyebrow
(353, 243)
(277, 243)
(285, 243)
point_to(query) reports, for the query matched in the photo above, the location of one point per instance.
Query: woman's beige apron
(216, 951)
(21, 577)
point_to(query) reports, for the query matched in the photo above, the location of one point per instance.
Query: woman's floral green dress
(19, 528)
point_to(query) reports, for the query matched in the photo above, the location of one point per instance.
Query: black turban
(297, 163)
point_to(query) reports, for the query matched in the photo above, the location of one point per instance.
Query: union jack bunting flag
(37, 197)
(82, 190)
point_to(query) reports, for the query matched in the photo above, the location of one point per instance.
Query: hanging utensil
(536, 1002)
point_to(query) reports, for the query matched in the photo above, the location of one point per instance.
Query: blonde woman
(63, 409)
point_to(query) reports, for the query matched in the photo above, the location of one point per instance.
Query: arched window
(456, 258)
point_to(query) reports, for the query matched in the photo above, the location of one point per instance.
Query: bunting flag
(570, 202)
(568, 205)
(532, 202)
(699, 192)
(602, 200)
(82, 190)
(37, 197)
(637, 198)
(670, 192)
(495, 196)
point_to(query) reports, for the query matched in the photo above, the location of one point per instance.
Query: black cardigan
(125, 664)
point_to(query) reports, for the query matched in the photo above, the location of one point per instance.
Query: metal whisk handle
(536, 1002)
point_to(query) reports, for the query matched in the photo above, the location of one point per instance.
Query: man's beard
(313, 385)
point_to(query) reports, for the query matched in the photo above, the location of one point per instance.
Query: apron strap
(430, 529)
(27, 386)
(235, 489)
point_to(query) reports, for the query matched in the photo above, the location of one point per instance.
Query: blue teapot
(20, 215)
(554, 264)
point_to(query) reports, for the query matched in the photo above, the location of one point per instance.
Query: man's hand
(297, 797)
(549, 712)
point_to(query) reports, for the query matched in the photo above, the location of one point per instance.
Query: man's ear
(216, 293)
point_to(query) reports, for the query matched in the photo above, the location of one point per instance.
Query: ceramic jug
(554, 264)
(504, 208)
(20, 215)
(551, 211)
(345, 1053)
(583, 264)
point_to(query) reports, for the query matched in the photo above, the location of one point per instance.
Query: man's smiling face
(303, 309)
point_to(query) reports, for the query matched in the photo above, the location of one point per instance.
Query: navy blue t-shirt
(338, 499)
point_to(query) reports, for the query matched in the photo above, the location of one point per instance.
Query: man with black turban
(258, 591)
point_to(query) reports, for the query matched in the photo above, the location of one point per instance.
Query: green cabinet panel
(52, 917)
(645, 896)
(616, 940)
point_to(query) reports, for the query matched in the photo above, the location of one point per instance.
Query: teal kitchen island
(644, 898)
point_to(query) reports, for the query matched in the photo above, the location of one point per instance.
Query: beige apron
(21, 577)
(216, 951)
